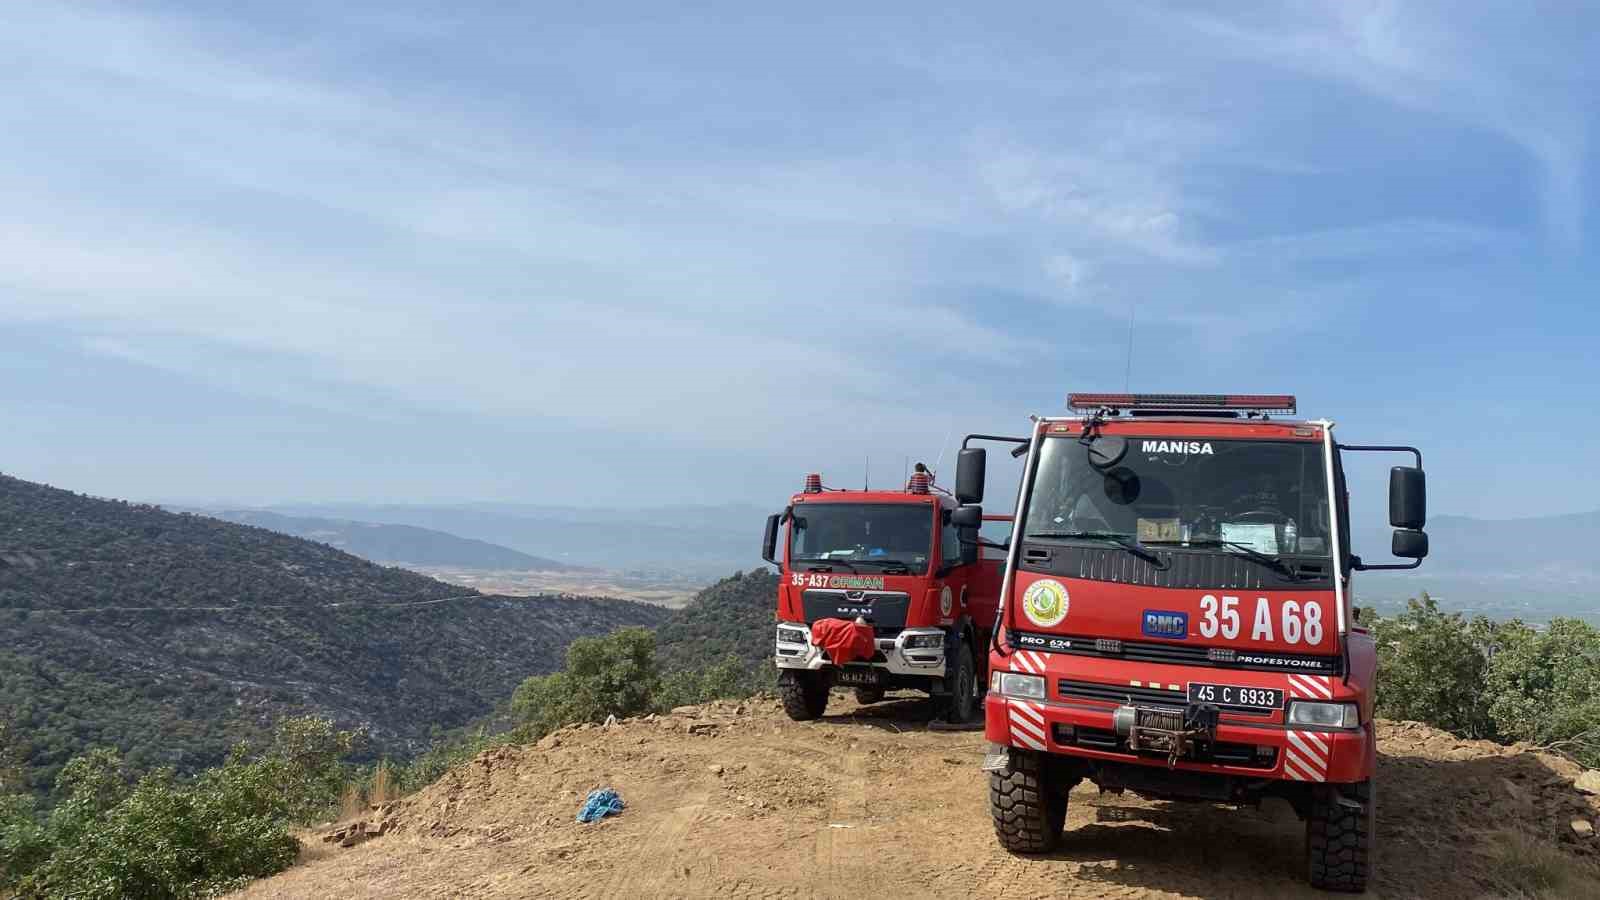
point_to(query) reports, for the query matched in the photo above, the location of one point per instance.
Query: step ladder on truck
(1176, 618)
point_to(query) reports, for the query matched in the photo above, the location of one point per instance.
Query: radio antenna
(944, 443)
(1127, 375)
(866, 474)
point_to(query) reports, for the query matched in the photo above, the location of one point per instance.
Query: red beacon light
(1283, 403)
(814, 483)
(920, 482)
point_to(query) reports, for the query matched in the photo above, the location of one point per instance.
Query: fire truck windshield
(889, 535)
(1251, 497)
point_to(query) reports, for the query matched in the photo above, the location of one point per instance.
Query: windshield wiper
(826, 565)
(1266, 559)
(885, 563)
(1125, 541)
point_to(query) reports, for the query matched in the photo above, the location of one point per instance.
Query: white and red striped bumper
(1308, 755)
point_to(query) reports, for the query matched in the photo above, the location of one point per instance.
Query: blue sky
(622, 253)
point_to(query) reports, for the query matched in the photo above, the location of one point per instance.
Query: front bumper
(1246, 749)
(897, 658)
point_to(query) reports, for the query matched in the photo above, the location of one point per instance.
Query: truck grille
(886, 610)
(1118, 693)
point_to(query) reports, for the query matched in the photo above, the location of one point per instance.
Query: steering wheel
(1277, 517)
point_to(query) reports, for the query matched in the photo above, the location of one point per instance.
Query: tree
(612, 675)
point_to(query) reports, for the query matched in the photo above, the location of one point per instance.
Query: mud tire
(1339, 838)
(805, 694)
(965, 700)
(1028, 811)
(866, 695)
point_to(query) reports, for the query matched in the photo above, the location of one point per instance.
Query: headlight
(1014, 684)
(1324, 715)
(791, 635)
(924, 641)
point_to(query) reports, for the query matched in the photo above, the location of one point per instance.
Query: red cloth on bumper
(845, 641)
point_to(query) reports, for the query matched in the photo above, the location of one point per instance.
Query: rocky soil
(734, 800)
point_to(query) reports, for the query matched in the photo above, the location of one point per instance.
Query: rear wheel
(1339, 836)
(962, 704)
(1028, 811)
(865, 695)
(805, 694)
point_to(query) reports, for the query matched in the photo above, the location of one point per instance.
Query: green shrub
(169, 838)
(1431, 668)
(1544, 686)
(723, 680)
(23, 841)
(1507, 681)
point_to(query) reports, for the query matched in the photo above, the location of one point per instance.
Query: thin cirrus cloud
(569, 219)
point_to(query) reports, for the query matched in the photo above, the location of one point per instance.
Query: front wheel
(804, 693)
(1028, 811)
(1339, 836)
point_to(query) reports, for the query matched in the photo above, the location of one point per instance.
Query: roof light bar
(1273, 402)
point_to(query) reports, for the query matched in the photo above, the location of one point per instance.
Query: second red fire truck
(1177, 621)
(893, 566)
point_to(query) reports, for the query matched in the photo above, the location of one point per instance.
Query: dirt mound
(735, 800)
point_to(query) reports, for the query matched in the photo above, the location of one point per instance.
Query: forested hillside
(171, 636)
(734, 616)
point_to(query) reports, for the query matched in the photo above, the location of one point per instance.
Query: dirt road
(737, 801)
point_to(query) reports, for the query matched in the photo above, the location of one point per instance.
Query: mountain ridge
(203, 632)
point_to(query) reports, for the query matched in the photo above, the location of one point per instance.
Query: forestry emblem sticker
(1045, 603)
(946, 602)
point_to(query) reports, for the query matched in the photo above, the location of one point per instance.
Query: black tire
(964, 701)
(865, 695)
(805, 694)
(1028, 811)
(1339, 838)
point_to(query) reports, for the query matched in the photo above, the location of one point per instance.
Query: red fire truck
(894, 564)
(1176, 618)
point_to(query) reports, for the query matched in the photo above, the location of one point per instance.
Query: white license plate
(858, 677)
(1235, 696)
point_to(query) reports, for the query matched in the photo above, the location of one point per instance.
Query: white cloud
(1431, 58)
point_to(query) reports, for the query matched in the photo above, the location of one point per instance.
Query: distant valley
(407, 545)
(703, 541)
(1532, 568)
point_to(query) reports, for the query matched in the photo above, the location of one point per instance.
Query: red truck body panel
(1294, 633)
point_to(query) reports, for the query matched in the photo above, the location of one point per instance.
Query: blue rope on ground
(601, 803)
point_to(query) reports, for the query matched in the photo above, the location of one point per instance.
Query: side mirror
(1409, 544)
(1408, 500)
(970, 465)
(769, 540)
(967, 516)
